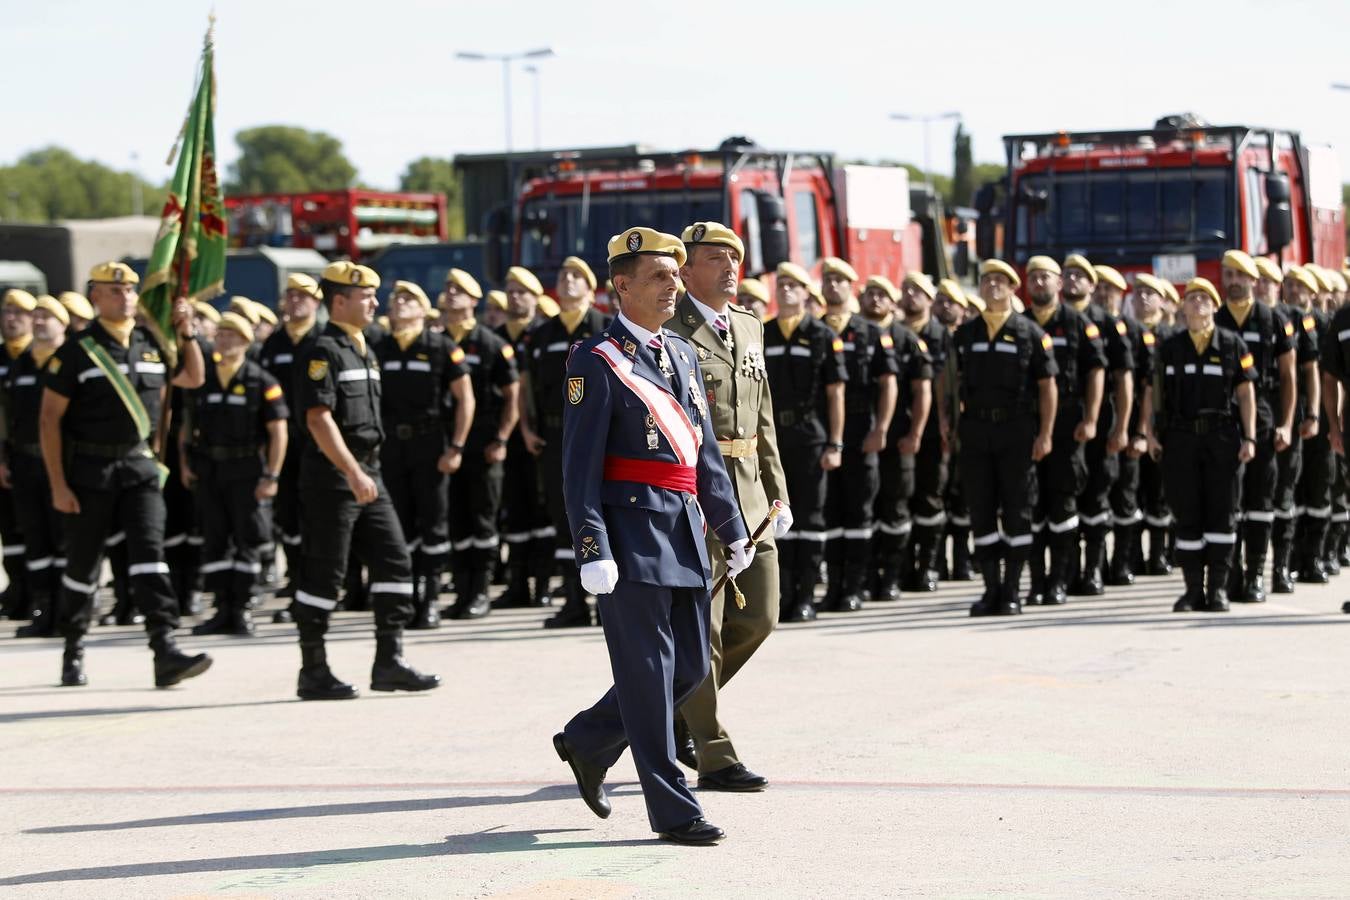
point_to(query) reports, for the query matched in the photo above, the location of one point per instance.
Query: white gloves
(599, 577)
(783, 522)
(738, 560)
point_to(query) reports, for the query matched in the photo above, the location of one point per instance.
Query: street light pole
(534, 74)
(137, 207)
(925, 121)
(505, 59)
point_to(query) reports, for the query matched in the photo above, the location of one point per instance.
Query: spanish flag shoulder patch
(457, 355)
(1309, 324)
(1049, 344)
(272, 393)
(837, 345)
(1120, 328)
(1092, 332)
(1246, 362)
(1149, 339)
(923, 345)
(888, 342)
(508, 352)
(1288, 329)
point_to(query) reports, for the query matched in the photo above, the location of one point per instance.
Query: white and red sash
(665, 410)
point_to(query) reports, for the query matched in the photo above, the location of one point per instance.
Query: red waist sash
(671, 476)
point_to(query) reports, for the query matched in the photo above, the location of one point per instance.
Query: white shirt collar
(710, 314)
(643, 335)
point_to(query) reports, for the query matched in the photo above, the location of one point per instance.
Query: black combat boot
(1089, 583)
(1008, 602)
(391, 671)
(1061, 545)
(575, 612)
(426, 599)
(1256, 539)
(172, 665)
(1281, 551)
(1331, 560)
(925, 541)
(517, 591)
(991, 570)
(851, 591)
(962, 568)
(219, 623)
(1037, 570)
(72, 663)
(888, 580)
(1193, 598)
(43, 622)
(1158, 562)
(1122, 555)
(317, 681)
(834, 586)
(472, 601)
(1312, 535)
(1216, 599)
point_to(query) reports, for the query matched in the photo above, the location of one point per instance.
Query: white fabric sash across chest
(665, 410)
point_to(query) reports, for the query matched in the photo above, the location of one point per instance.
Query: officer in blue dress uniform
(643, 480)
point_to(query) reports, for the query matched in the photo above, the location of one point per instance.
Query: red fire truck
(345, 223)
(784, 205)
(1167, 200)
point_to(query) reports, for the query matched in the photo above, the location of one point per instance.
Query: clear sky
(109, 80)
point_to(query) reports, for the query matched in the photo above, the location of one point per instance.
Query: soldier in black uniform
(951, 307)
(1289, 462)
(280, 357)
(1312, 494)
(1271, 341)
(928, 505)
(1080, 361)
(999, 400)
(543, 376)
(21, 469)
(526, 528)
(1335, 359)
(233, 447)
(870, 400)
(343, 499)
(98, 433)
(424, 376)
(1150, 302)
(1204, 421)
(1101, 451)
(16, 326)
(1126, 515)
(891, 559)
(804, 362)
(476, 489)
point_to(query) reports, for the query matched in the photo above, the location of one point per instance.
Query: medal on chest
(752, 364)
(652, 440)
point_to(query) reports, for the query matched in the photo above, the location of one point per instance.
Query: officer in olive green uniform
(729, 342)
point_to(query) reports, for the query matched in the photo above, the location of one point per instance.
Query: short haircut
(331, 289)
(625, 265)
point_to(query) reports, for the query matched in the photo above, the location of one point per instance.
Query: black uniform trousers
(659, 653)
(928, 504)
(896, 479)
(14, 553)
(41, 525)
(235, 526)
(1312, 497)
(850, 501)
(1094, 504)
(332, 522)
(999, 483)
(420, 493)
(801, 549)
(286, 504)
(134, 507)
(475, 503)
(182, 532)
(1256, 497)
(1200, 474)
(550, 474)
(1153, 503)
(525, 519)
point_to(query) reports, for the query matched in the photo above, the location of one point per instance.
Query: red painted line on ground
(957, 786)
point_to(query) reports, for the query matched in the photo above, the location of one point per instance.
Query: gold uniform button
(632, 499)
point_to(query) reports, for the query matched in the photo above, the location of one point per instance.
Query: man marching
(642, 470)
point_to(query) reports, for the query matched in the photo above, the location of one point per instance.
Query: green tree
(282, 158)
(962, 185)
(437, 175)
(52, 183)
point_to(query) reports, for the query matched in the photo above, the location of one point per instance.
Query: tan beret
(1043, 264)
(76, 304)
(1080, 262)
(413, 288)
(237, 323)
(647, 242)
(20, 298)
(1152, 282)
(794, 272)
(265, 314)
(1268, 269)
(526, 279)
(753, 287)
(1240, 262)
(497, 299)
(883, 284)
(548, 306)
(299, 281)
(1203, 286)
(1112, 277)
(999, 267)
(1303, 277)
(577, 264)
(833, 265)
(246, 308)
(465, 282)
(347, 272)
(50, 304)
(206, 311)
(922, 282)
(953, 291)
(712, 233)
(114, 273)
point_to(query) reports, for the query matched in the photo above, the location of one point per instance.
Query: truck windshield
(1125, 213)
(554, 228)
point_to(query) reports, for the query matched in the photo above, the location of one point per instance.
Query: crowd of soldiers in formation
(879, 506)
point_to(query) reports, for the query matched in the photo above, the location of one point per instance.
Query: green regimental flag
(188, 259)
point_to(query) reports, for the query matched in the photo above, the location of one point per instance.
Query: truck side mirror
(986, 224)
(1279, 213)
(773, 230)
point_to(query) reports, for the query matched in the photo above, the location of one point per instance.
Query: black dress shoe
(801, 612)
(1345, 607)
(1254, 591)
(72, 667)
(685, 752)
(847, 603)
(317, 682)
(735, 777)
(570, 617)
(590, 779)
(1218, 601)
(173, 666)
(698, 833)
